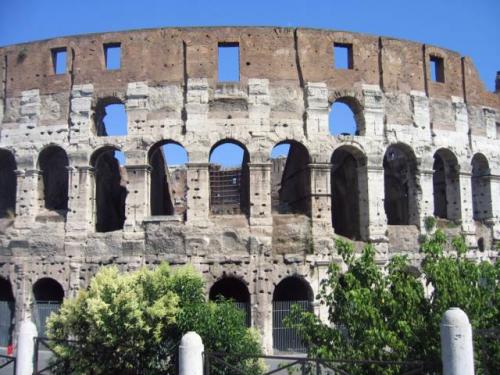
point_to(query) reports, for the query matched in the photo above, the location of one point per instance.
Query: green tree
(130, 323)
(383, 313)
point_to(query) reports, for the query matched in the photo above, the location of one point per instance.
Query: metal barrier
(62, 366)
(7, 360)
(41, 312)
(6, 313)
(285, 338)
(245, 307)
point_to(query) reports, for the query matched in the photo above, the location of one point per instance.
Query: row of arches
(48, 295)
(230, 183)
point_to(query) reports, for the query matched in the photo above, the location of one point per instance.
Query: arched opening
(110, 190)
(231, 288)
(345, 117)
(446, 188)
(7, 308)
(481, 188)
(168, 178)
(110, 117)
(400, 185)
(290, 178)
(48, 296)
(345, 190)
(229, 178)
(8, 184)
(290, 291)
(53, 163)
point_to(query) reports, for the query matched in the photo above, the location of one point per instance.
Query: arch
(110, 190)
(110, 117)
(481, 188)
(48, 295)
(8, 183)
(400, 185)
(7, 308)
(346, 116)
(446, 187)
(229, 178)
(290, 179)
(53, 163)
(346, 185)
(168, 185)
(292, 290)
(232, 288)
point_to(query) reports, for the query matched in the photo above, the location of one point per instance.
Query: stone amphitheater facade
(427, 144)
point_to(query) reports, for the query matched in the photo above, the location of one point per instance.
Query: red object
(10, 350)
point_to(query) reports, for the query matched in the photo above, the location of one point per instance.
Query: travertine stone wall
(168, 83)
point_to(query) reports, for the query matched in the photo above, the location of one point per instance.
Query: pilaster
(260, 194)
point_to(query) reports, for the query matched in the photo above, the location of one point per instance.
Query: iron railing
(286, 339)
(41, 312)
(6, 314)
(7, 360)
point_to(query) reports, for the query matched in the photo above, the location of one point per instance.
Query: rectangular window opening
(112, 55)
(437, 68)
(228, 62)
(59, 60)
(342, 56)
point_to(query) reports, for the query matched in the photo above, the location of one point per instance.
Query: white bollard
(191, 354)
(25, 348)
(457, 353)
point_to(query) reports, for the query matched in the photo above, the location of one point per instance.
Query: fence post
(25, 348)
(191, 354)
(456, 343)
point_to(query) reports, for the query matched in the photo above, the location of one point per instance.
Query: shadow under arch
(110, 190)
(446, 185)
(53, 163)
(8, 183)
(234, 289)
(7, 310)
(48, 296)
(481, 188)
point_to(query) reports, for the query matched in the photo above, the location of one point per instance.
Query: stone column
(461, 115)
(198, 194)
(260, 194)
(466, 211)
(373, 111)
(196, 104)
(26, 197)
(321, 204)
(191, 354)
(489, 115)
(137, 205)
(317, 108)
(81, 113)
(456, 343)
(81, 200)
(25, 348)
(495, 206)
(421, 113)
(426, 201)
(259, 102)
(377, 219)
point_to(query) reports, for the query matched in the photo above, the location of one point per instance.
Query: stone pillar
(259, 102)
(25, 348)
(191, 354)
(26, 198)
(137, 205)
(426, 201)
(461, 115)
(466, 211)
(373, 111)
(81, 200)
(317, 109)
(198, 194)
(421, 113)
(81, 113)
(260, 194)
(495, 206)
(377, 219)
(489, 116)
(137, 107)
(321, 204)
(196, 104)
(456, 343)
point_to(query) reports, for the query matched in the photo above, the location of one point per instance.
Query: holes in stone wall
(112, 56)
(168, 178)
(481, 188)
(59, 60)
(110, 118)
(228, 67)
(446, 187)
(110, 190)
(7, 309)
(290, 178)
(231, 288)
(436, 68)
(342, 56)
(8, 184)
(400, 185)
(229, 178)
(53, 163)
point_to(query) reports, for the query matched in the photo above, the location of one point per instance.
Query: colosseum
(263, 232)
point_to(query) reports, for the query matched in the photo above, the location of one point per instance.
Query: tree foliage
(392, 313)
(131, 323)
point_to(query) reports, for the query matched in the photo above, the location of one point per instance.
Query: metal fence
(41, 312)
(245, 307)
(284, 338)
(7, 365)
(6, 314)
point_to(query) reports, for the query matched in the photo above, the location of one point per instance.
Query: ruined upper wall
(282, 55)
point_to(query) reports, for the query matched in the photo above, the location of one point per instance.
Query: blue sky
(469, 27)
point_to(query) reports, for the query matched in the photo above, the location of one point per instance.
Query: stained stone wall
(168, 84)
